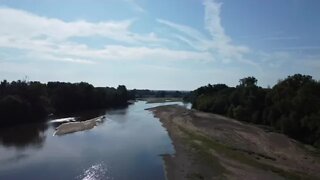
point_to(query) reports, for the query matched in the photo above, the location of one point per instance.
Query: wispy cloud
(50, 57)
(41, 35)
(52, 39)
(188, 35)
(213, 21)
(186, 30)
(22, 24)
(49, 39)
(219, 44)
(32, 44)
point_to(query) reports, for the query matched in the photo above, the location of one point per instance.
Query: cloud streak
(20, 24)
(31, 44)
(219, 44)
(49, 38)
(41, 35)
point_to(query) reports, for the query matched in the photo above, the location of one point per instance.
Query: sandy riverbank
(77, 126)
(210, 146)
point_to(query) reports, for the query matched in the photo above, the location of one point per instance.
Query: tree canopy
(292, 106)
(22, 101)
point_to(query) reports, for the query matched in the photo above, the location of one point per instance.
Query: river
(127, 145)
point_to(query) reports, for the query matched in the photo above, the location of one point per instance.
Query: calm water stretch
(127, 145)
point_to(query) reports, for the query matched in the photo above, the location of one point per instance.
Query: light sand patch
(72, 127)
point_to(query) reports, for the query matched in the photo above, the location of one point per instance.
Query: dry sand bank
(210, 146)
(77, 126)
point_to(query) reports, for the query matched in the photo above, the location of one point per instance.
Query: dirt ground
(210, 146)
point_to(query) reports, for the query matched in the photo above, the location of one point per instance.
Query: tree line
(146, 93)
(292, 106)
(22, 102)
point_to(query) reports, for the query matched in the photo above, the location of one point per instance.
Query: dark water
(127, 145)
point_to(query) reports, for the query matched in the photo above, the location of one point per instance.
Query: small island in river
(71, 127)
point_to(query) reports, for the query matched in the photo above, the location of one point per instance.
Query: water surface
(127, 145)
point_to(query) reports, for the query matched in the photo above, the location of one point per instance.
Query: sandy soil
(77, 126)
(210, 146)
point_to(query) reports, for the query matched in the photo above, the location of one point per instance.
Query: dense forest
(292, 106)
(22, 101)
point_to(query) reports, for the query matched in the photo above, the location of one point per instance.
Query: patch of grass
(204, 149)
(205, 157)
(313, 151)
(195, 176)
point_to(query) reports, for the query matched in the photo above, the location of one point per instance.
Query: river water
(127, 145)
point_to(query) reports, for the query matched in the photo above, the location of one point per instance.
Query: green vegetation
(205, 146)
(292, 106)
(23, 102)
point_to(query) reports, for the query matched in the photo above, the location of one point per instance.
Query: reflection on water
(13, 159)
(20, 137)
(127, 145)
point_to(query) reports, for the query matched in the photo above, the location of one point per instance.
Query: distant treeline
(22, 101)
(146, 93)
(292, 106)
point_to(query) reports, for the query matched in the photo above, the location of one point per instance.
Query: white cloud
(67, 51)
(189, 35)
(62, 59)
(220, 41)
(27, 38)
(219, 44)
(49, 39)
(41, 35)
(213, 21)
(22, 24)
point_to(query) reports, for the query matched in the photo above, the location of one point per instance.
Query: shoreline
(210, 146)
(71, 127)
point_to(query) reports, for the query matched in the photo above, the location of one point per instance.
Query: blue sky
(159, 44)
